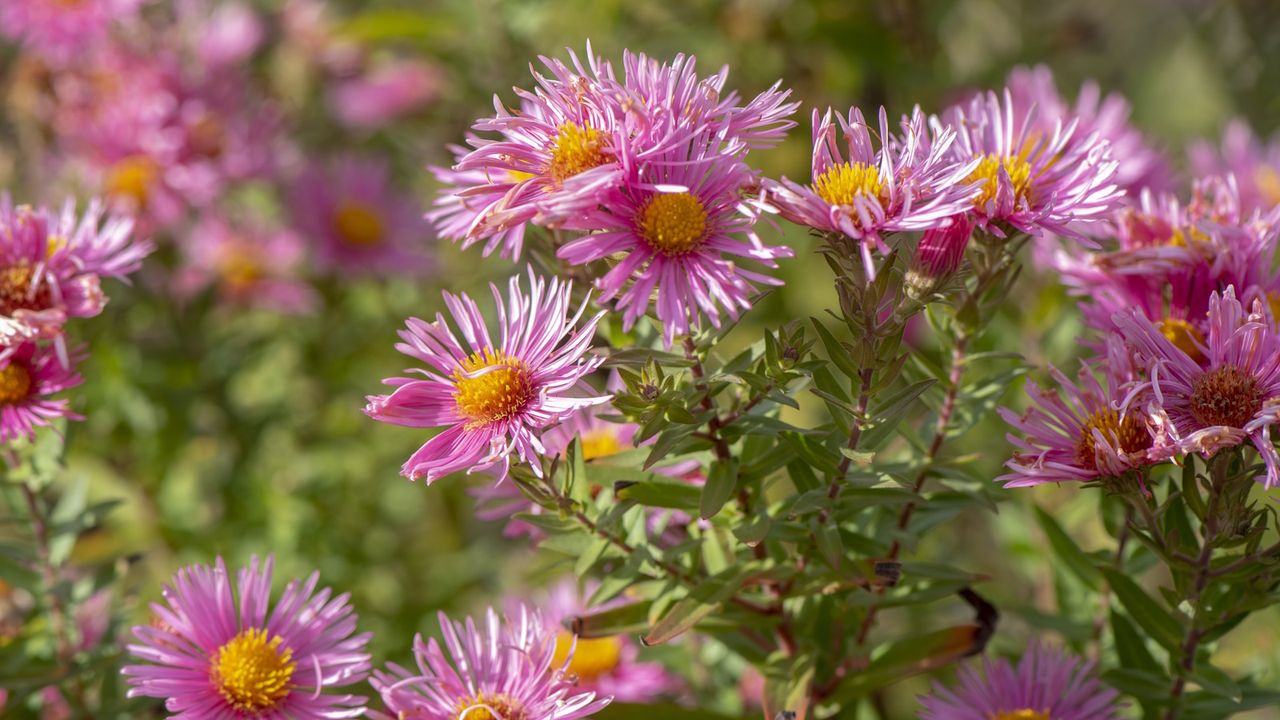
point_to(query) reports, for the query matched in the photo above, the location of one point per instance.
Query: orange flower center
(673, 224)
(251, 672)
(358, 224)
(1184, 336)
(15, 383)
(16, 292)
(491, 387)
(131, 179)
(1021, 715)
(1127, 431)
(1226, 396)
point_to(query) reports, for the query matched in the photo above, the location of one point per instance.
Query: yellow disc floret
(16, 292)
(15, 383)
(600, 443)
(1021, 715)
(673, 224)
(490, 707)
(574, 150)
(840, 184)
(1184, 336)
(491, 387)
(132, 179)
(358, 224)
(252, 672)
(988, 173)
(592, 657)
(1126, 431)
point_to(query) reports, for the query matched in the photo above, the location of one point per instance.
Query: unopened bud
(938, 255)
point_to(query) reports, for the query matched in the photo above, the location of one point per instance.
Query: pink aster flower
(455, 214)
(61, 30)
(1032, 180)
(492, 398)
(356, 220)
(680, 229)
(871, 189)
(1139, 165)
(30, 375)
(246, 263)
(1253, 162)
(1076, 432)
(1228, 397)
(504, 669)
(210, 660)
(383, 94)
(1047, 683)
(51, 265)
(609, 666)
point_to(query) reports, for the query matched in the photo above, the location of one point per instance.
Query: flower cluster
(51, 269)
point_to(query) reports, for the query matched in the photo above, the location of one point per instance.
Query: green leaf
(1145, 610)
(721, 483)
(660, 493)
(1130, 646)
(887, 415)
(617, 620)
(1072, 557)
(699, 603)
(754, 531)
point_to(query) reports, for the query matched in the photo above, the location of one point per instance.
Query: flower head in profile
(219, 649)
(1252, 161)
(246, 263)
(493, 394)
(1075, 432)
(1047, 684)
(504, 669)
(1031, 179)
(608, 665)
(30, 375)
(1139, 165)
(869, 187)
(51, 264)
(1229, 396)
(356, 220)
(680, 231)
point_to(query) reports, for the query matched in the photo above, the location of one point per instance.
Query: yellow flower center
(358, 224)
(1126, 431)
(251, 672)
(131, 179)
(574, 150)
(16, 292)
(1267, 179)
(1225, 396)
(1184, 336)
(988, 171)
(519, 176)
(840, 184)
(240, 267)
(490, 707)
(673, 224)
(592, 657)
(1020, 715)
(491, 387)
(599, 443)
(15, 383)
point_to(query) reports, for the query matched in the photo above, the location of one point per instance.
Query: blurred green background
(231, 432)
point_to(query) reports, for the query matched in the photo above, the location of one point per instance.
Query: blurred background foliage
(231, 431)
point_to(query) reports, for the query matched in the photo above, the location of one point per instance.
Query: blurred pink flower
(384, 93)
(246, 264)
(222, 33)
(60, 30)
(1254, 162)
(355, 220)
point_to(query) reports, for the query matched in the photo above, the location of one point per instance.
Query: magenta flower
(384, 94)
(1047, 684)
(1139, 165)
(455, 214)
(246, 263)
(609, 666)
(51, 265)
(1076, 433)
(1254, 163)
(492, 398)
(1031, 180)
(680, 229)
(61, 30)
(30, 375)
(210, 660)
(356, 220)
(504, 669)
(1228, 397)
(871, 189)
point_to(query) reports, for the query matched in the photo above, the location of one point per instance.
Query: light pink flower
(60, 31)
(384, 93)
(1254, 162)
(245, 263)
